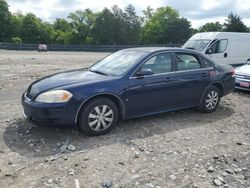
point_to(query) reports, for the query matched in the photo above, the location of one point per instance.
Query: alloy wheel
(100, 118)
(212, 100)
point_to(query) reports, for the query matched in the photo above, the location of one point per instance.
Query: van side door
(218, 51)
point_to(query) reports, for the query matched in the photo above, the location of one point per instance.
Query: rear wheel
(98, 117)
(210, 100)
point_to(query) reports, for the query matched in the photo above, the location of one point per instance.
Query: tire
(99, 117)
(210, 100)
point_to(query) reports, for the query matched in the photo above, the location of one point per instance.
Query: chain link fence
(90, 48)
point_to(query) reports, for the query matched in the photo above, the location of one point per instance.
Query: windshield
(197, 45)
(118, 63)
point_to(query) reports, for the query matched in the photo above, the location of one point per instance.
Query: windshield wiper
(191, 48)
(99, 72)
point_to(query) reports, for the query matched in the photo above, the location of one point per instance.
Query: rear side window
(187, 62)
(206, 63)
(219, 46)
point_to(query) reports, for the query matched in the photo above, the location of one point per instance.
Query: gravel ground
(178, 149)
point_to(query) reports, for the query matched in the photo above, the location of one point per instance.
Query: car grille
(241, 76)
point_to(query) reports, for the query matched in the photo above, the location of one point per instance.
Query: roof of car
(156, 49)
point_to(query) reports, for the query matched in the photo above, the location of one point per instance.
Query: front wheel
(210, 100)
(99, 117)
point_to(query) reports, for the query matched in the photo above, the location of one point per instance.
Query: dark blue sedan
(127, 84)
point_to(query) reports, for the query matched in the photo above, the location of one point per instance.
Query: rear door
(192, 78)
(153, 93)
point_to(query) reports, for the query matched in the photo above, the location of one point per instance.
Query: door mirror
(209, 51)
(144, 72)
(247, 62)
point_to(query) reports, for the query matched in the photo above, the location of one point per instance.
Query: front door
(153, 93)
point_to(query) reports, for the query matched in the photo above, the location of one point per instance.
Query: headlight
(56, 96)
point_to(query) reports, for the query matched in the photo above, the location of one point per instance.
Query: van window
(197, 45)
(187, 62)
(219, 46)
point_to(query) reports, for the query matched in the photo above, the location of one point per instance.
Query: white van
(223, 47)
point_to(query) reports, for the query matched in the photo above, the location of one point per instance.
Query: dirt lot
(178, 149)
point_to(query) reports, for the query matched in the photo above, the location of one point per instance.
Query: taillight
(212, 73)
(233, 72)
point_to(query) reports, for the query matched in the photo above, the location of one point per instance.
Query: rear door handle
(204, 75)
(168, 79)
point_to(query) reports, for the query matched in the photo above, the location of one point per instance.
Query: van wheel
(210, 100)
(99, 117)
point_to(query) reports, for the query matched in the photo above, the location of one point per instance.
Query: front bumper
(242, 83)
(49, 114)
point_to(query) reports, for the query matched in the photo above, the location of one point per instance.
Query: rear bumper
(49, 114)
(228, 86)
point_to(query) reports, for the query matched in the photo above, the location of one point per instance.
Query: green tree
(62, 25)
(63, 32)
(132, 25)
(5, 20)
(103, 29)
(209, 27)
(119, 25)
(30, 31)
(147, 14)
(16, 24)
(166, 26)
(194, 31)
(63, 37)
(33, 30)
(82, 22)
(178, 30)
(116, 26)
(47, 33)
(16, 40)
(234, 24)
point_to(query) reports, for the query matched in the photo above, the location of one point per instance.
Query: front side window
(160, 63)
(187, 62)
(219, 46)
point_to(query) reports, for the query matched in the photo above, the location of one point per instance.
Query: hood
(245, 69)
(63, 79)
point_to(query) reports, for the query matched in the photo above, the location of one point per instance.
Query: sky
(198, 12)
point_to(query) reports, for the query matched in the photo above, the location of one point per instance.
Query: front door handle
(225, 54)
